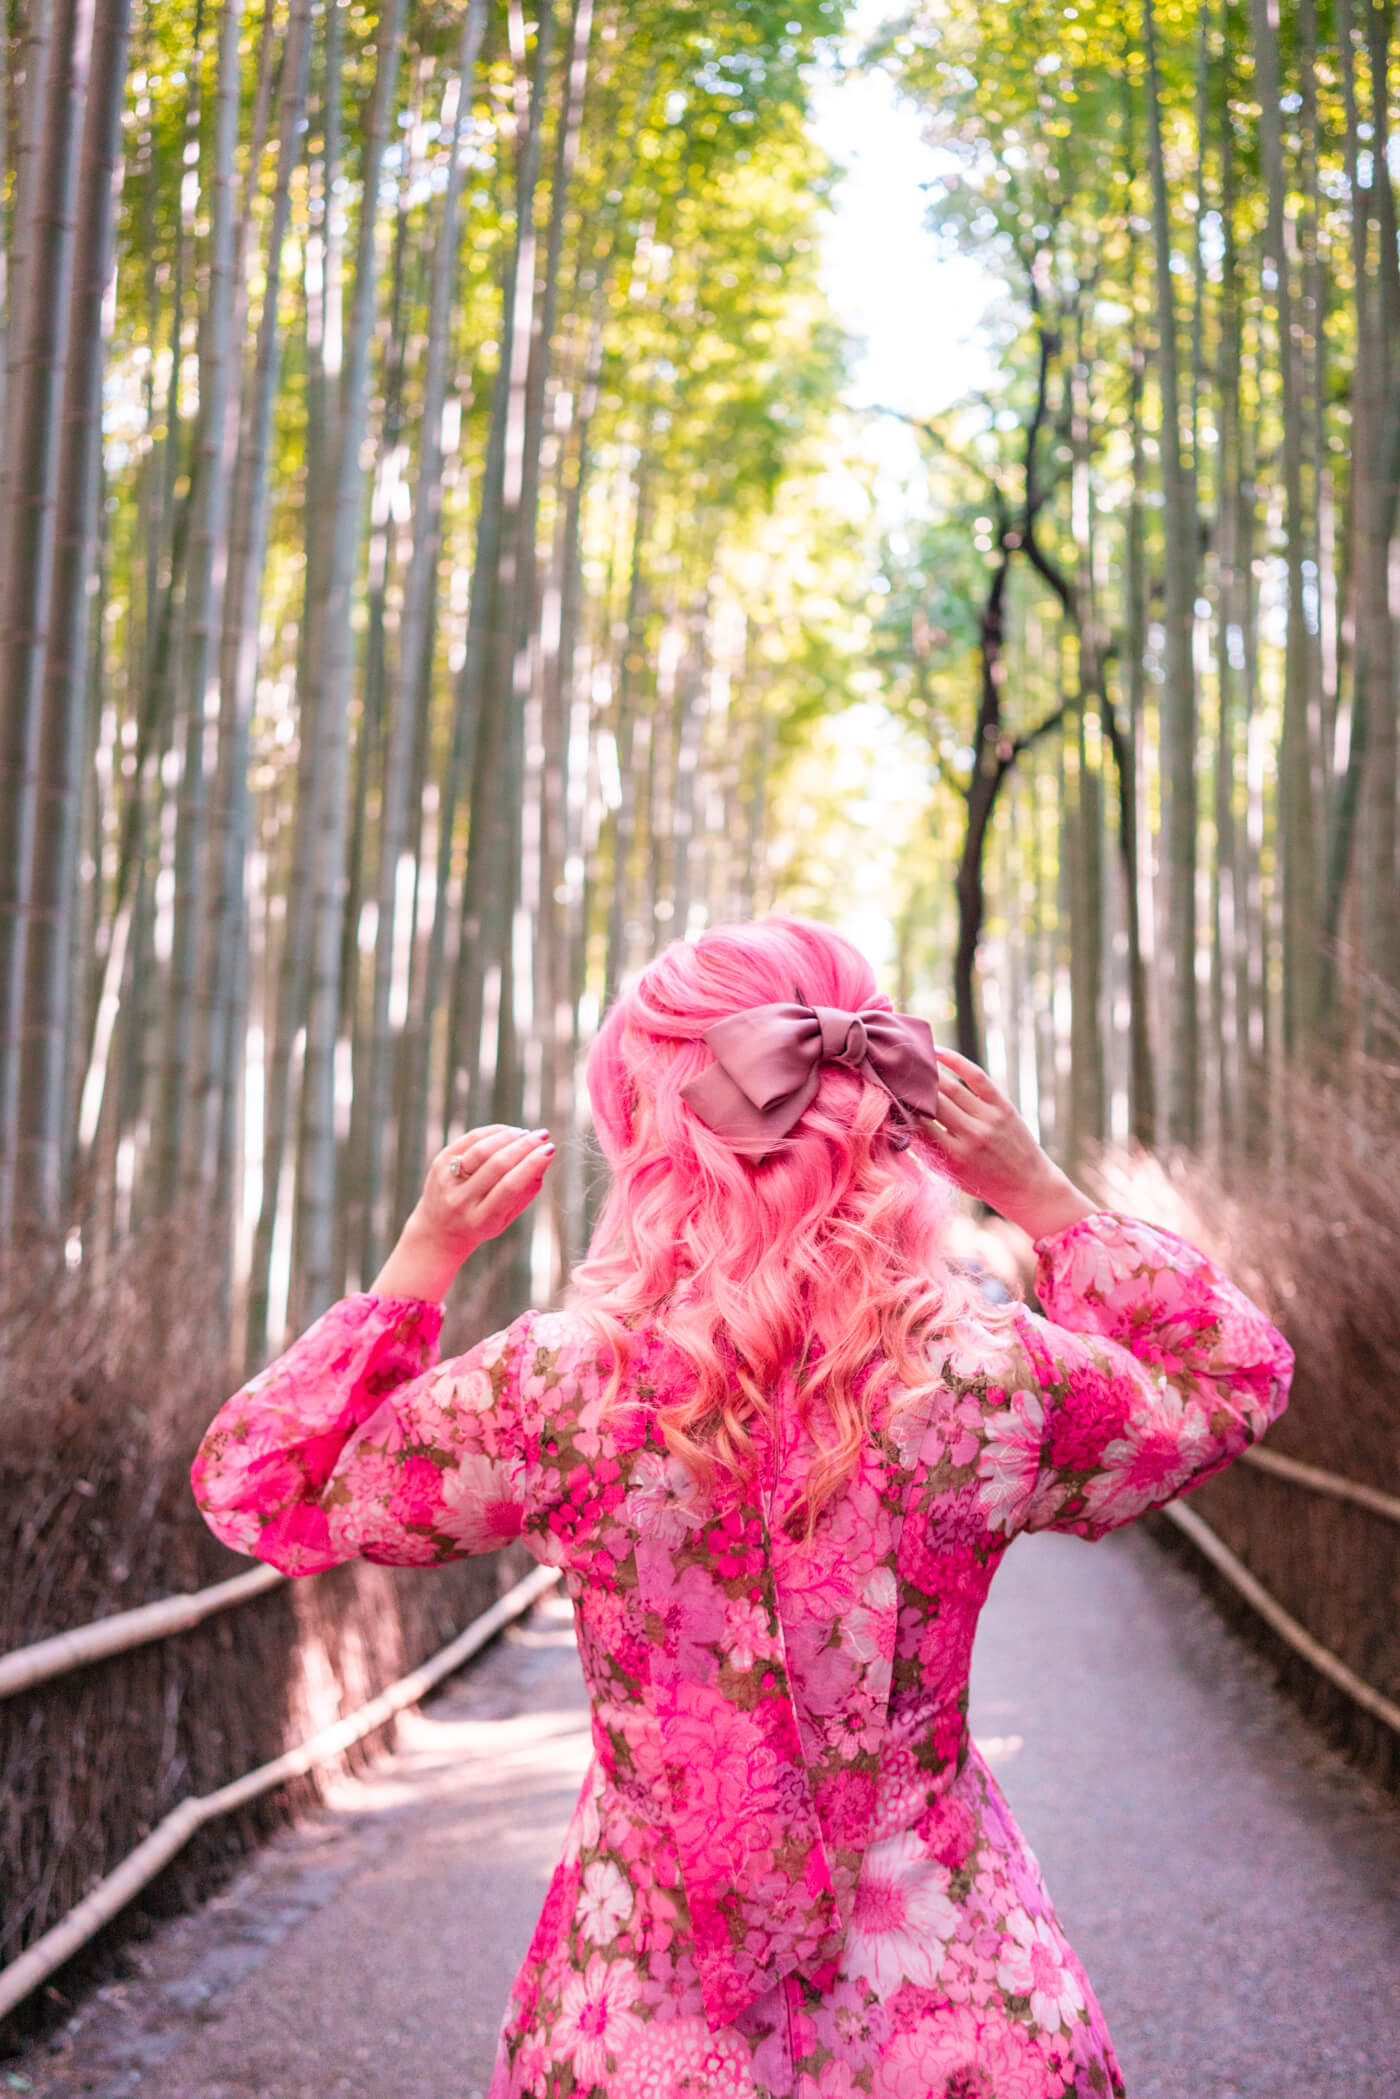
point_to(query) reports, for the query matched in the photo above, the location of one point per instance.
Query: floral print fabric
(789, 1871)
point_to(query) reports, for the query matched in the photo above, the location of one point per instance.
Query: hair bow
(767, 1069)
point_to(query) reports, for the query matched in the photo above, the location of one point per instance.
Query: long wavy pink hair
(819, 1274)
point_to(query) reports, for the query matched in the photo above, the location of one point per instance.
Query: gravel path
(1232, 1889)
(1234, 1892)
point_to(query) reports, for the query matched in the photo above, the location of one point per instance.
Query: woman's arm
(1151, 1371)
(350, 1445)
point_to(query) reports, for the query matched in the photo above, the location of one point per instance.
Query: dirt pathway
(1235, 1893)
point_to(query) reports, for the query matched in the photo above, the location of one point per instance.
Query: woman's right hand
(983, 1145)
(476, 1187)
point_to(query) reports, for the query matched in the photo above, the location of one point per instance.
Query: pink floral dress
(789, 1871)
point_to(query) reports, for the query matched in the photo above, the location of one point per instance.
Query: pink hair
(820, 1271)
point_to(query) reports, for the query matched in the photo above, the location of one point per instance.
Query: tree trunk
(1179, 693)
(981, 799)
(44, 1158)
(26, 585)
(202, 608)
(1296, 812)
(331, 705)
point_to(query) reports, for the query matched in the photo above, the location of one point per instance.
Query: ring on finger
(457, 1168)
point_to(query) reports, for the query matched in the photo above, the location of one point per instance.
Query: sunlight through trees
(436, 554)
(1142, 621)
(399, 667)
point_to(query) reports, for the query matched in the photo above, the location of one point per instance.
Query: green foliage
(675, 422)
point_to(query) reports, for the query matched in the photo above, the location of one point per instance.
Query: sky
(914, 313)
(915, 309)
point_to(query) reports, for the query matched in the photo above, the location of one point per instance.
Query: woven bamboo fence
(106, 1900)
(73, 1655)
(96, 1760)
(142, 1666)
(1306, 1565)
(1311, 1518)
(131, 1717)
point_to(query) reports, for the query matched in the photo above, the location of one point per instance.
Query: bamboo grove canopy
(443, 360)
(429, 575)
(1161, 555)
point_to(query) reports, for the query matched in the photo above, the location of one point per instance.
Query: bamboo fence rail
(1320, 1482)
(1281, 1621)
(24, 1667)
(140, 1867)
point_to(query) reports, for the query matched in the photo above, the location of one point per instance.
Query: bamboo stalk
(223, 1026)
(490, 883)
(68, 698)
(414, 652)
(170, 1836)
(329, 683)
(36, 376)
(1179, 701)
(34, 55)
(1297, 816)
(178, 1161)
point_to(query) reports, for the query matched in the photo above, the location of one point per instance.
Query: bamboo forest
(490, 488)
(440, 560)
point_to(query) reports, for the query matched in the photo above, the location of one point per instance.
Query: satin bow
(768, 1066)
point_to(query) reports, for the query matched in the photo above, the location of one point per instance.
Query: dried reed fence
(1314, 1237)
(105, 1384)
(105, 1387)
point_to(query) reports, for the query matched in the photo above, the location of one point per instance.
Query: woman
(778, 1447)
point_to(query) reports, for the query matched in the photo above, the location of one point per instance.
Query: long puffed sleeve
(1150, 1372)
(350, 1446)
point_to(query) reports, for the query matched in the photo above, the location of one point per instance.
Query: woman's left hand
(475, 1188)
